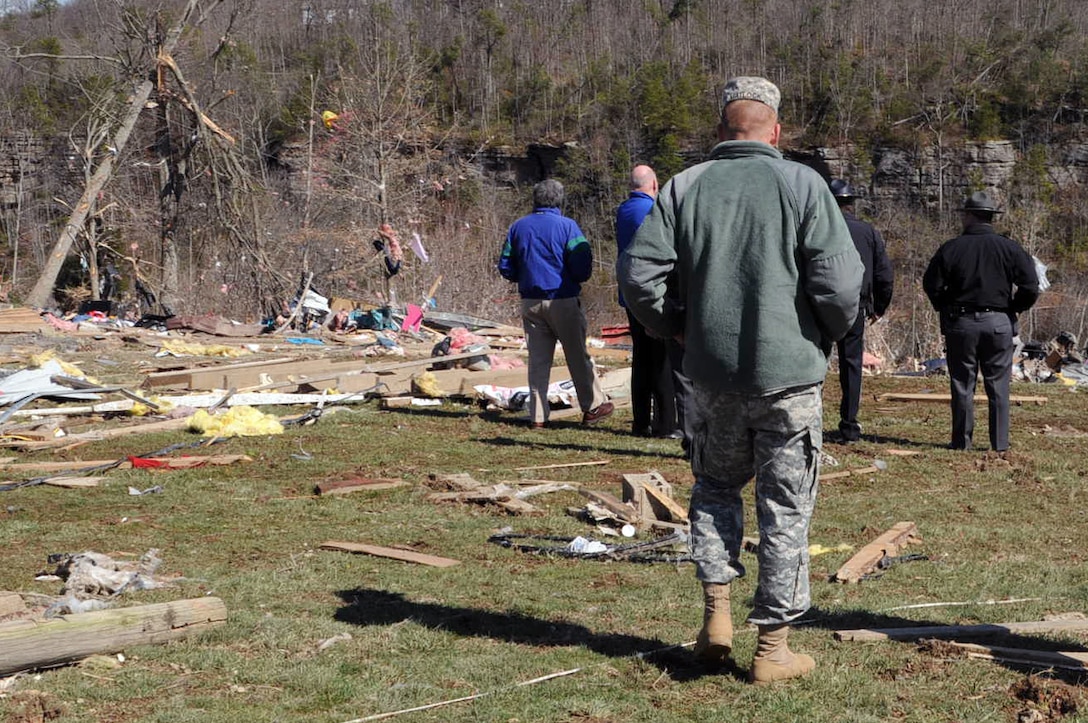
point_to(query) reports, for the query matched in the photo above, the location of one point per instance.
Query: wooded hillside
(276, 136)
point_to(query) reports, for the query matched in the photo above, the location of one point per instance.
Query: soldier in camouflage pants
(777, 439)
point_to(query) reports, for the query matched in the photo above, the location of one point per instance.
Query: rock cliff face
(21, 158)
(923, 177)
(934, 177)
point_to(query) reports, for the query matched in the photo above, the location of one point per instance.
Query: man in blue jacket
(548, 256)
(653, 400)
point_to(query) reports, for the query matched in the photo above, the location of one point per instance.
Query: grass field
(993, 529)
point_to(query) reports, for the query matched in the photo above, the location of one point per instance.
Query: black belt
(961, 310)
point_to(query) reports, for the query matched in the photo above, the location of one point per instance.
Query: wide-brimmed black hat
(842, 189)
(980, 201)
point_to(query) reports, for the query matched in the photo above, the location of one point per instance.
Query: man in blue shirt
(653, 401)
(548, 256)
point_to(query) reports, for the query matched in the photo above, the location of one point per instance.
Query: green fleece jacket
(748, 256)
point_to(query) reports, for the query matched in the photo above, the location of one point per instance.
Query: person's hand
(873, 318)
(679, 338)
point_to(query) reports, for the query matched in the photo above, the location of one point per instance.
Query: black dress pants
(653, 406)
(851, 348)
(973, 341)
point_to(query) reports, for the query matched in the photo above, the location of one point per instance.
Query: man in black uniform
(876, 294)
(970, 283)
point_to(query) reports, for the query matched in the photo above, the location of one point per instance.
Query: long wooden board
(953, 632)
(947, 398)
(391, 553)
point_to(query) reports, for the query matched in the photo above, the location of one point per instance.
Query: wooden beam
(859, 472)
(163, 462)
(391, 553)
(1063, 659)
(866, 560)
(30, 644)
(334, 488)
(952, 632)
(620, 509)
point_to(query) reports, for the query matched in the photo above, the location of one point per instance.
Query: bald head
(749, 120)
(643, 179)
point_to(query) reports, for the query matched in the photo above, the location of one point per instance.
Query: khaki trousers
(547, 321)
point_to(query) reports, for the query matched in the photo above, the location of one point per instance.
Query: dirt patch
(34, 706)
(1047, 700)
(941, 649)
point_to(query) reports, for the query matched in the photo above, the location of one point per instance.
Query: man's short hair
(548, 194)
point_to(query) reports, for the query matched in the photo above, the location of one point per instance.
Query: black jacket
(879, 280)
(979, 270)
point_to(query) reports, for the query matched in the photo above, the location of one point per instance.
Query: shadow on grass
(842, 620)
(365, 607)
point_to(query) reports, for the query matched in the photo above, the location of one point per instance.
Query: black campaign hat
(980, 201)
(842, 189)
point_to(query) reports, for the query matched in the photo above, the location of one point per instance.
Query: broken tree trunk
(866, 560)
(31, 644)
(43, 288)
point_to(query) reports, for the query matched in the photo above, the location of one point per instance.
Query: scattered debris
(466, 489)
(92, 574)
(329, 642)
(671, 548)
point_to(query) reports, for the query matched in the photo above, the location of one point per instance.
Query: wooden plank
(1063, 659)
(391, 553)
(74, 482)
(858, 472)
(164, 462)
(947, 398)
(335, 488)
(866, 560)
(30, 644)
(665, 508)
(952, 632)
(95, 435)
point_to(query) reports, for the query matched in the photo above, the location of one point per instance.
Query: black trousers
(974, 341)
(684, 391)
(653, 404)
(850, 348)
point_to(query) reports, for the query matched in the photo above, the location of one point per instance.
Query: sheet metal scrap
(631, 552)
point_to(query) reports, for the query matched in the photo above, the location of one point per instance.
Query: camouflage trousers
(776, 439)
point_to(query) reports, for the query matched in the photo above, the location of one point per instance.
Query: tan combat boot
(715, 640)
(774, 660)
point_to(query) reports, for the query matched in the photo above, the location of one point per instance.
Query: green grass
(249, 534)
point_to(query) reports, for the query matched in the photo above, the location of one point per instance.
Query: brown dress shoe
(597, 413)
